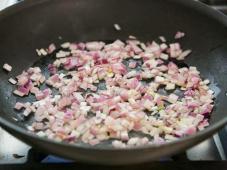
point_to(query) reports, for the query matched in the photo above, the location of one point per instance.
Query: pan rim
(205, 9)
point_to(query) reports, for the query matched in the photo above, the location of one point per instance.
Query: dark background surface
(150, 166)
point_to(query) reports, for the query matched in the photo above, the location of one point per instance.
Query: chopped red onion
(51, 48)
(129, 101)
(179, 35)
(19, 106)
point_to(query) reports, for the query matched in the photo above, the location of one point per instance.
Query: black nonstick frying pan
(37, 23)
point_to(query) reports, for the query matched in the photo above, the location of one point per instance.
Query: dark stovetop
(21, 156)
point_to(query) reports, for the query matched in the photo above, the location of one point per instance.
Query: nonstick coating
(35, 24)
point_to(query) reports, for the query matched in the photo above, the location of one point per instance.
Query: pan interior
(43, 63)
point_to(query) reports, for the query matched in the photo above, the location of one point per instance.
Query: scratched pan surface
(35, 24)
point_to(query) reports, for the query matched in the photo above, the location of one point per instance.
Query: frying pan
(34, 24)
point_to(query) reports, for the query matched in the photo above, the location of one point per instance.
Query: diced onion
(106, 91)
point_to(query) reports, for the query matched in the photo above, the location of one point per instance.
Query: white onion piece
(62, 54)
(12, 81)
(117, 27)
(65, 45)
(7, 67)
